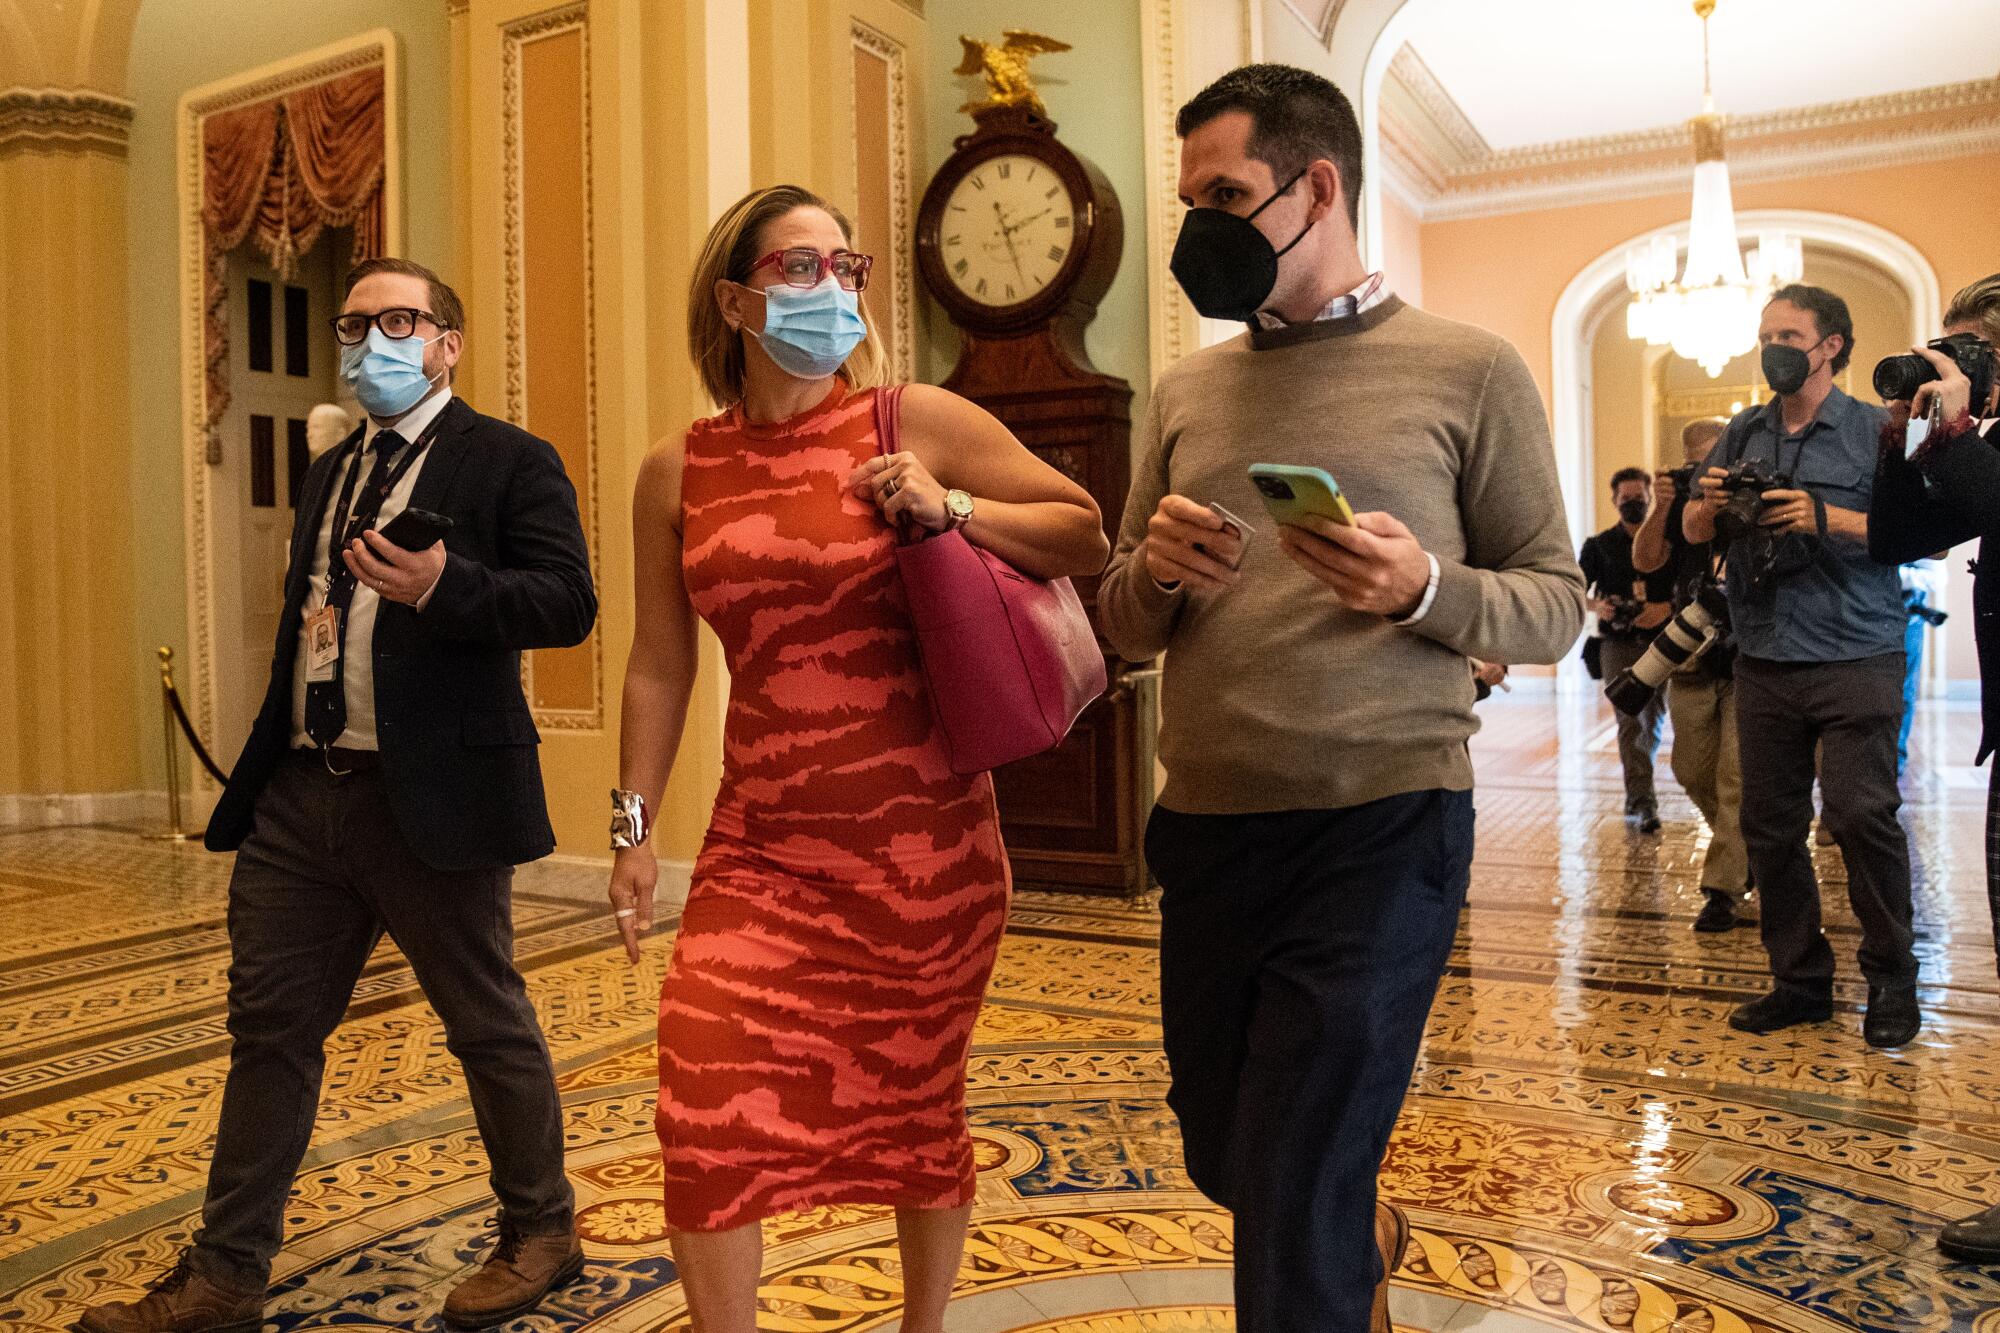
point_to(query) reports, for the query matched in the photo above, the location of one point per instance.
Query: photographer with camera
(1625, 624)
(1937, 484)
(1701, 694)
(1819, 635)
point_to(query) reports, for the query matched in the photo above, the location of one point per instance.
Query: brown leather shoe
(1392, 1237)
(181, 1302)
(520, 1271)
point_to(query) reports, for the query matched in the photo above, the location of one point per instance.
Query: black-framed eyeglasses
(802, 266)
(395, 322)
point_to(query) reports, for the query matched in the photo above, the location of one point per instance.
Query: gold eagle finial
(1006, 68)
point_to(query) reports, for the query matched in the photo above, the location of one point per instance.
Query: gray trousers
(323, 875)
(1706, 764)
(1850, 711)
(1638, 733)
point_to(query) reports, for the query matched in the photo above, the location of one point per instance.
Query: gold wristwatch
(957, 510)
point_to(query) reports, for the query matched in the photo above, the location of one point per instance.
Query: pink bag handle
(888, 436)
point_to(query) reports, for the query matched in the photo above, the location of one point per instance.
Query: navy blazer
(456, 737)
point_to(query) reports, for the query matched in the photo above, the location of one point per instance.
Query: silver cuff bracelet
(630, 824)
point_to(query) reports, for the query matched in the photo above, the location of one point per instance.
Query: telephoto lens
(1899, 377)
(1679, 641)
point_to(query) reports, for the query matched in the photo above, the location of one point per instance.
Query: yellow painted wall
(66, 550)
(1402, 250)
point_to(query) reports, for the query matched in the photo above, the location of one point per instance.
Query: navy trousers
(1299, 955)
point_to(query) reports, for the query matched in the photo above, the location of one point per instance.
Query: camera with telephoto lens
(1744, 507)
(1688, 635)
(1899, 377)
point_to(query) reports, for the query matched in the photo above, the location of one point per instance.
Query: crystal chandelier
(1710, 315)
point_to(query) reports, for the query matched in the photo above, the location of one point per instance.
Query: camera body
(1744, 506)
(1683, 479)
(1625, 612)
(1899, 377)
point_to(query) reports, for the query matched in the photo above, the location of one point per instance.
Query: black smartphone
(417, 529)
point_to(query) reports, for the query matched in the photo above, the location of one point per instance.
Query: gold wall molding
(200, 500)
(1163, 77)
(1433, 166)
(514, 36)
(63, 120)
(454, 8)
(903, 314)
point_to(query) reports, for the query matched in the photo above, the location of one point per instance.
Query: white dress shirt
(1373, 291)
(358, 641)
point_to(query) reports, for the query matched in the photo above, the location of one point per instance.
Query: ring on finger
(624, 912)
(890, 487)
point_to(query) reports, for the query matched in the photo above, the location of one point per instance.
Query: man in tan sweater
(1314, 839)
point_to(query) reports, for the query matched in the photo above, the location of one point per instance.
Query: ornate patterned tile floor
(1586, 1146)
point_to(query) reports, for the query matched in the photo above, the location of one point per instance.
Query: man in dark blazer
(391, 784)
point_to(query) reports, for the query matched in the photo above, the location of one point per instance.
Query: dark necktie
(326, 700)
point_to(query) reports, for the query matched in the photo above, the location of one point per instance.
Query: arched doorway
(1584, 297)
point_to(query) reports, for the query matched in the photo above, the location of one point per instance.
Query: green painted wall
(1093, 94)
(182, 44)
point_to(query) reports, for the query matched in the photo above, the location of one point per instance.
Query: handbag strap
(888, 416)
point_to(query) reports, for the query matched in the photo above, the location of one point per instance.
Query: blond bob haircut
(733, 245)
(1978, 304)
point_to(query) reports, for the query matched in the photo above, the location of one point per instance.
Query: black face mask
(1632, 511)
(1224, 264)
(1786, 369)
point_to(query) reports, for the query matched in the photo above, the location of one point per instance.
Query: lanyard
(1778, 443)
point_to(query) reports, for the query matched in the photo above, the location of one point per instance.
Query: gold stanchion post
(174, 831)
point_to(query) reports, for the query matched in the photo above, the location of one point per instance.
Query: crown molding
(1430, 165)
(63, 120)
(1411, 85)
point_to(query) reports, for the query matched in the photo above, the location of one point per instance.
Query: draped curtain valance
(277, 174)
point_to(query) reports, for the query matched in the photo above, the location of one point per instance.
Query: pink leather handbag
(1011, 660)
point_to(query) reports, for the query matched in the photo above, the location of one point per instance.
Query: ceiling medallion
(1710, 315)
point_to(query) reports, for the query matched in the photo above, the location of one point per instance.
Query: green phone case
(1291, 493)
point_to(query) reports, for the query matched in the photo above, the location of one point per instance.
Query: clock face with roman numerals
(1007, 228)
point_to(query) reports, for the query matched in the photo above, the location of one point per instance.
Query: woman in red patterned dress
(849, 899)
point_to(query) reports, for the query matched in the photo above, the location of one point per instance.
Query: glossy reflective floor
(1586, 1146)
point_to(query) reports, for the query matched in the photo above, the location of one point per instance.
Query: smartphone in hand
(1293, 494)
(417, 529)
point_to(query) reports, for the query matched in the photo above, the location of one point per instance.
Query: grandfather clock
(1018, 239)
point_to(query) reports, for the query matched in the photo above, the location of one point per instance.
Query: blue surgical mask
(809, 332)
(386, 374)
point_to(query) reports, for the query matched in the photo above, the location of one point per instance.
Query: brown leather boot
(520, 1271)
(1392, 1237)
(181, 1302)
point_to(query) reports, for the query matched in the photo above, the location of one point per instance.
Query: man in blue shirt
(1819, 627)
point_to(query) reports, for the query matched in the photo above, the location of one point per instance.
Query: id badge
(322, 643)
